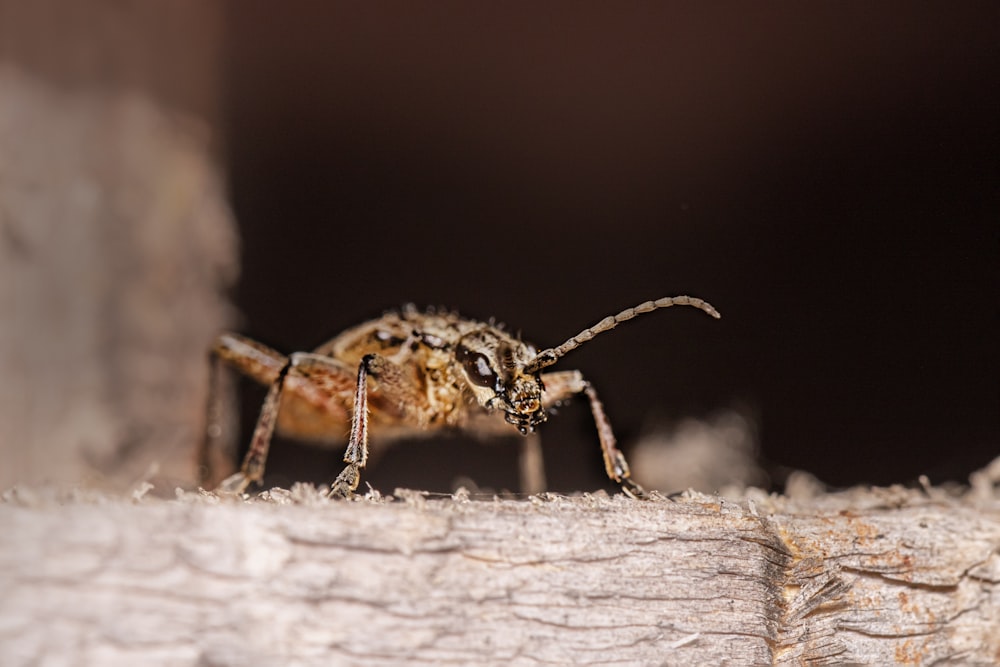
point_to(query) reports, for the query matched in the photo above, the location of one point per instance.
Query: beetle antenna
(550, 356)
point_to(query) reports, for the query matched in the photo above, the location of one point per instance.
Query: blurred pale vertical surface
(116, 243)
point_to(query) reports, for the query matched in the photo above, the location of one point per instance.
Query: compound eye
(477, 367)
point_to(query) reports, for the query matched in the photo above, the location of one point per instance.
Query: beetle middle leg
(317, 379)
(562, 385)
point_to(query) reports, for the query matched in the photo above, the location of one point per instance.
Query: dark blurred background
(825, 174)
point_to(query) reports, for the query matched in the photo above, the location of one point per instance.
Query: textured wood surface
(289, 578)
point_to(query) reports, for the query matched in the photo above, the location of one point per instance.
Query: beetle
(413, 371)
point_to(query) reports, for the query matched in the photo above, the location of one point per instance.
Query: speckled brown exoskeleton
(411, 371)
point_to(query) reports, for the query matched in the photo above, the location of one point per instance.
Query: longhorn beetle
(411, 371)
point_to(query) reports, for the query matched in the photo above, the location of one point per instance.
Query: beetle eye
(477, 367)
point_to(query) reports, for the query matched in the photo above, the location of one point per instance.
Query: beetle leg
(314, 376)
(396, 395)
(255, 360)
(216, 451)
(252, 469)
(531, 465)
(562, 385)
(357, 447)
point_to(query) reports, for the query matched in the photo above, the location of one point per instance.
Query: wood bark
(884, 576)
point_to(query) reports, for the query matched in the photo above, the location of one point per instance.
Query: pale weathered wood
(116, 238)
(877, 577)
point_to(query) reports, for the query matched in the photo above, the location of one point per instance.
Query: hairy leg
(563, 385)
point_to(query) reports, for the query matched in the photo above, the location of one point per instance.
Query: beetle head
(493, 364)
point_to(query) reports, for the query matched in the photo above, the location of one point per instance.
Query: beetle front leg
(396, 396)
(562, 385)
(357, 447)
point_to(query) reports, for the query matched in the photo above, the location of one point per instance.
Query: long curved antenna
(553, 354)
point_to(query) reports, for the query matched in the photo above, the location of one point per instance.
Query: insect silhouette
(411, 371)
